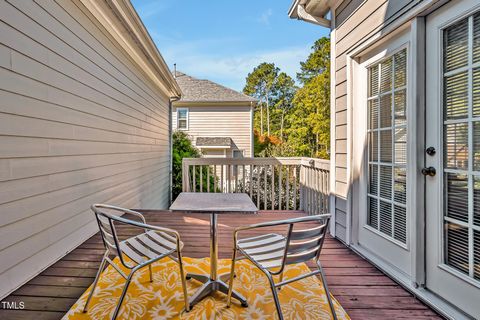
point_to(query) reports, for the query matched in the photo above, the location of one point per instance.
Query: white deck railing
(272, 183)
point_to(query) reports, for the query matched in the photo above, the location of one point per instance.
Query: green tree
(285, 92)
(309, 121)
(260, 83)
(317, 62)
(298, 119)
(309, 131)
(182, 147)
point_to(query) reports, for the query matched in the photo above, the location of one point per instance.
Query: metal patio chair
(272, 252)
(152, 244)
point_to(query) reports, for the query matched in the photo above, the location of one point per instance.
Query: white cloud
(231, 70)
(265, 17)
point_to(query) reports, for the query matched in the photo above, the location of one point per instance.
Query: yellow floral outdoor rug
(163, 298)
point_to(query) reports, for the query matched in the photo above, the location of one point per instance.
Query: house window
(387, 146)
(237, 153)
(461, 121)
(182, 118)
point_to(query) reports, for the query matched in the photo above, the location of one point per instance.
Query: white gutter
(312, 11)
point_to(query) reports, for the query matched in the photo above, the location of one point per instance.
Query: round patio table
(213, 204)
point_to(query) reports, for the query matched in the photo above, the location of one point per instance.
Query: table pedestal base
(212, 283)
(211, 286)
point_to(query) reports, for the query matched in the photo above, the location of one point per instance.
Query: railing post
(302, 186)
(185, 176)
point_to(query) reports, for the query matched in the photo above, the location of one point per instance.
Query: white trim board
(333, 138)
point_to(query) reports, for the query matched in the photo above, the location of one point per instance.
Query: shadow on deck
(363, 291)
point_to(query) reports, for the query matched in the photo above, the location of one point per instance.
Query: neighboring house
(405, 97)
(84, 118)
(219, 120)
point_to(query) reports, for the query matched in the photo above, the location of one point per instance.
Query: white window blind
(387, 146)
(461, 110)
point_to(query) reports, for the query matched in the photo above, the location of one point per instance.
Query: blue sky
(223, 40)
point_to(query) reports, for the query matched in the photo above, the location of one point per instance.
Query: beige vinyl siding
(219, 121)
(355, 22)
(80, 123)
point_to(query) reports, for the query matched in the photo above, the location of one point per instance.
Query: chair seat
(266, 250)
(149, 245)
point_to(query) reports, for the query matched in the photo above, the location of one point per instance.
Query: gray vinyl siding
(355, 21)
(80, 123)
(220, 121)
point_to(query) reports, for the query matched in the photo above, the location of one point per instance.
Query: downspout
(252, 143)
(170, 147)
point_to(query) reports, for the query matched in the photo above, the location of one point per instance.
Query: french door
(453, 161)
(382, 155)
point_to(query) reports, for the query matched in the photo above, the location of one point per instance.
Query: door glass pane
(386, 217)
(476, 37)
(386, 111)
(461, 108)
(456, 145)
(373, 145)
(386, 182)
(373, 113)
(400, 102)
(455, 46)
(373, 212)
(373, 183)
(386, 75)
(400, 221)
(401, 145)
(386, 146)
(373, 81)
(400, 185)
(476, 201)
(476, 92)
(476, 254)
(476, 146)
(456, 196)
(387, 143)
(400, 69)
(456, 96)
(456, 246)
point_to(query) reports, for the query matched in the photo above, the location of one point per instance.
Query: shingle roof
(199, 90)
(213, 141)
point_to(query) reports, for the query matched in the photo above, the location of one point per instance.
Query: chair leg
(150, 272)
(327, 292)
(232, 275)
(275, 294)
(97, 277)
(280, 280)
(184, 282)
(122, 296)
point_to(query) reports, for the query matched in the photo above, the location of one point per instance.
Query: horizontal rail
(272, 183)
(317, 163)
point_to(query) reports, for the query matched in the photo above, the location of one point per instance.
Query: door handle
(430, 171)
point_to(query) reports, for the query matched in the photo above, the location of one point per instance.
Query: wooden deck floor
(362, 289)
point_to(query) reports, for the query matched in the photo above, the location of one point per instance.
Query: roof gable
(200, 90)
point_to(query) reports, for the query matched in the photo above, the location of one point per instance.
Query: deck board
(364, 291)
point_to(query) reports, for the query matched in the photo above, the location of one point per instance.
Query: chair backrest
(306, 244)
(106, 223)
